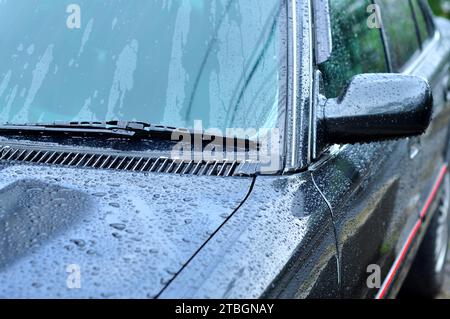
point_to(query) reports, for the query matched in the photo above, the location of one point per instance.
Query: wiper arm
(126, 129)
(109, 128)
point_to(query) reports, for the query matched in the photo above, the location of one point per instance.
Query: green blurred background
(441, 7)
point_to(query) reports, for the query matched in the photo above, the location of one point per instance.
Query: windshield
(166, 62)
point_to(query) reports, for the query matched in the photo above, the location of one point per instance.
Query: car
(223, 149)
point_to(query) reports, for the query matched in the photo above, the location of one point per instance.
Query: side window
(422, 26)
(357, 48)
(400, 30)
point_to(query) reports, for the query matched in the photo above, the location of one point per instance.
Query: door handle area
(447, 88)
(414, 147)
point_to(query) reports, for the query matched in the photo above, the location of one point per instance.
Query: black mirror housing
(376, 107)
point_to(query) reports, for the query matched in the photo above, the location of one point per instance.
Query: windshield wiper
(118, 129)
(126, 129)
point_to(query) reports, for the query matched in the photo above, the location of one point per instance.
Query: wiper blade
(110, 128)
(118, 129)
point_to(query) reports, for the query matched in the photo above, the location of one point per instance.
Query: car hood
(85, 233)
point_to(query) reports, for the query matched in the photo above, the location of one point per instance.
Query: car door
(427, 158)
(431, 62)
(374, 190)
(428, 153)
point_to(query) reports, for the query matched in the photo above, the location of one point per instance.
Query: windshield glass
(166, 62)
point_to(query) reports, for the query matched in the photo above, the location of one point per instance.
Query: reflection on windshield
(166, 62)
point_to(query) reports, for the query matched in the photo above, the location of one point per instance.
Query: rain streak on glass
(163, 62)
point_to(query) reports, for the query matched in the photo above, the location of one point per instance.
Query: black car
(223, 149)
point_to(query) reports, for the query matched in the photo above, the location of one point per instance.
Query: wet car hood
(110, 233)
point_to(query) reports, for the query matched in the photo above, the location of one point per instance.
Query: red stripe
(398, 261)
(393, 271)
(433, 191)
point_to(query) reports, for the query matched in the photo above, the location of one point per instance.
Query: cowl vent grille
(122, 162)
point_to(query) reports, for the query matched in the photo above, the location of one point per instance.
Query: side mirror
(376, 107)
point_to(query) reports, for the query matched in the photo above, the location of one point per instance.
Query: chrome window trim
(323, 39)
(300, 68)
(294, 77)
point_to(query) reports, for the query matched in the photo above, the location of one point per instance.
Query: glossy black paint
(130, 233)
(377, 190)
(278, 244)
(376, 107)
(146, 235)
